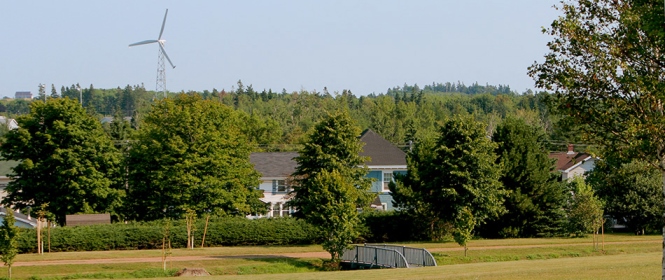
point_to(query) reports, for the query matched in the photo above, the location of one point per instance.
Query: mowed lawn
(624, 257)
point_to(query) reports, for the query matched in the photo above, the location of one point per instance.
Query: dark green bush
(221, 231)
(391, 226)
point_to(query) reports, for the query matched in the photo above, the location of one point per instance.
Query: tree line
(283, 118)
(170, 150)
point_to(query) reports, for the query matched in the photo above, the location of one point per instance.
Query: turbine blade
(165, 55)
(163, 23)
(144, 42)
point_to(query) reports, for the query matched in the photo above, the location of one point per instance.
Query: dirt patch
(192, 272)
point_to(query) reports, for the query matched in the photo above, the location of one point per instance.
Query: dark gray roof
(277, 164)
(282, 164)
(380, 150)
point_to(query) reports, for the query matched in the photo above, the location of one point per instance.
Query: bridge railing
(375, 256)
(414, 256)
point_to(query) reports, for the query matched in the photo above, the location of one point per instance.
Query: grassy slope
(636, 266)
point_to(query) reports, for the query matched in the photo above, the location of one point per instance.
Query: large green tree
(330, 182)
(606, 68)
(536, 199)
(631, 190)
(65, 160)
(454, 179)
(191, 153)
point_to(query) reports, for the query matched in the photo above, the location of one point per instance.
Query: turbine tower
(161, 69)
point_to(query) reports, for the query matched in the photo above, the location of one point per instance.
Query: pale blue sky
(365, 46)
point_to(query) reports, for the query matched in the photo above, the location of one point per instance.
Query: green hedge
(221, 231)
(377, 226)
(391, 226)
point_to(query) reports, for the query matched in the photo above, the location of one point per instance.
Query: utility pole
(80, 94)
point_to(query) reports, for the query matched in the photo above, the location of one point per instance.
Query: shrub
(148, 235)
(391, 226)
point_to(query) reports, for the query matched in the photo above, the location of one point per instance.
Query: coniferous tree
(536, 199)
(452, 175)
(54, 92)
(119, 128)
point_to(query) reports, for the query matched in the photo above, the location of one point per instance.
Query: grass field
(624, 257)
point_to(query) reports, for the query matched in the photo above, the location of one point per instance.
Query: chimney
(570, 149)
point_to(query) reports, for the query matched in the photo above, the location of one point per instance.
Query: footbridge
(386, 256)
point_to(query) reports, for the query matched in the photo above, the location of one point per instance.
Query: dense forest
(278, 120)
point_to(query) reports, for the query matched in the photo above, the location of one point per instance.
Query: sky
(365, 46)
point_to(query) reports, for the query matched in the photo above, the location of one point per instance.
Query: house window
(281, 186)
(276, 209)
(285, 211)
(279, 209)
(387, 178)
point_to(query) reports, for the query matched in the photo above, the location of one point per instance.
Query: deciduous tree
(585, 210)
(8, 240)
(66, 160)
(191, 154)
(631, 191)
(606, 69)
(330, 182)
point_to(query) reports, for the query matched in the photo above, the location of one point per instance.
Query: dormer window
(281, 185)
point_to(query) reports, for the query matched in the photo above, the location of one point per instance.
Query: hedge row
(376, 227)
(221, 232)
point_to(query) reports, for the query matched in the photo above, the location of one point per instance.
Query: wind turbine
(161, 69)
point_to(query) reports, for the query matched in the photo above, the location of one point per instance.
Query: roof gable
(275, 164)
(380, 151)
(565, 161)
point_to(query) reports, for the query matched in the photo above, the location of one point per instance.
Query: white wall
(580, 170)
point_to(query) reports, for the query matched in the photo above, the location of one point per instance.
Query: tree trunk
(431, 232)
(465, 250)
(38, 238)
(164, 253)
(48, 223)
(602, 232)
(205, 229)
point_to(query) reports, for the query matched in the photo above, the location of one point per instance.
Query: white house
(10, 123)
(5, 169)
(275, 169)
(386, 160)
(21, 220)
(572, 164)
